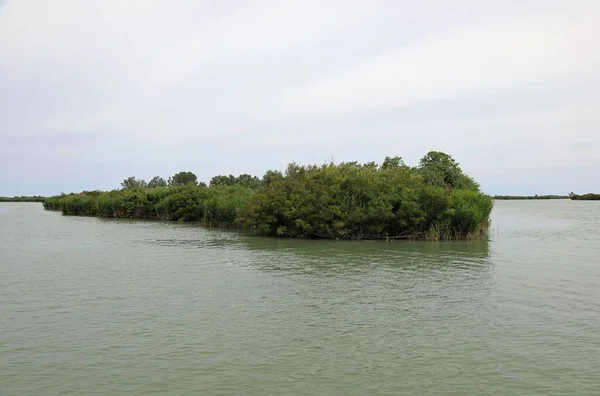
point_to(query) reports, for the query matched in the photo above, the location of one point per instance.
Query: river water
(105, 307)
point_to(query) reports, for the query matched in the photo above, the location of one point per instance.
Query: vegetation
(514, 197)
(585, 197)
(183, 179)
(36, 198)
(245, 180)
(433, 201)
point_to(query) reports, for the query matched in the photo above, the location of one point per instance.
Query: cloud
(489, 57)
(101, 90)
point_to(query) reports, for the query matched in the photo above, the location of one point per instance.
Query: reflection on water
(300, 255)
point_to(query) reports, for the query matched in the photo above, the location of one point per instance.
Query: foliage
(244, 180)
(37, 198)
(349, 200)
(132, 182)
(389, 162)
(353, 201)
(271, 176)
(523, 197)
(215, 206)
(182, 179)
(585, 197)
(157, 181)
(440, 169)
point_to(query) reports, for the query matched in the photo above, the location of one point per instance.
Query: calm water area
(105, 307)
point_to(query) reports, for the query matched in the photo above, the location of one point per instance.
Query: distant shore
(574, 197)
(585, 197)
(23, 199)
(517, 197)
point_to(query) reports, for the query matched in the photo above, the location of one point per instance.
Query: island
(585, 197)
(434, 200)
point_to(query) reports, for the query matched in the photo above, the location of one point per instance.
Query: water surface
(105, 307)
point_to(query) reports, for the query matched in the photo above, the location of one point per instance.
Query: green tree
(132, 182)
(222, 180)
(392, 162)
(157, 181)
(244, 180)
(183, 179)
(441, 170)
(248, 181)
(271, 176)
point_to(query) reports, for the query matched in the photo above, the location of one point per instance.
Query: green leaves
(157, 181)
(353, 201)
(132, 182)
(245, 180)
(441, 170)
(183, 179)
(341, 201)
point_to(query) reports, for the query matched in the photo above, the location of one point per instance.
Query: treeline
(22, 198)
(434, 200)
(516, 197)
(188, 178)
(585, 197)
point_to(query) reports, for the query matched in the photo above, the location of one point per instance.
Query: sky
(92, 92)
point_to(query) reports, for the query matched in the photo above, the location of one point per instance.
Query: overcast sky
(94, 91)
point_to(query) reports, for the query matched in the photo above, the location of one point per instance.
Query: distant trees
(132, 182)
(36, 198)
(244, 180)
(392, 162)
(522, 197)
(157, 181)
(178, 179)
(182, 179)
(585, 197)
(271, 176)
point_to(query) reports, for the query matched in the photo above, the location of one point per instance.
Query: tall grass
(215, 206)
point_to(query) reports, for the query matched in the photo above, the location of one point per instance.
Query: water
(101, 307)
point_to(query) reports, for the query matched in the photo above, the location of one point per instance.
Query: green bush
(351, 201)
(434, 201)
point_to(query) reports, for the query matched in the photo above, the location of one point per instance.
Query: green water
(101, 307)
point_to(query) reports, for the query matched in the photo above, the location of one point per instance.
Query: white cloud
(354, 79)
(490, 57)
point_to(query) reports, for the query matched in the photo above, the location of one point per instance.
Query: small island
(585, 197)
(435, 200)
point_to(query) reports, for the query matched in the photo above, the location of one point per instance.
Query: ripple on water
(92, 306)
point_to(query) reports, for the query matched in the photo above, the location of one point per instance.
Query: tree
(222, 180)
(248, 181)
(392, 162)
(244, 180)
(157, 181)
(183, 179)
(440, 169)
(271, 176)
(132, 182)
